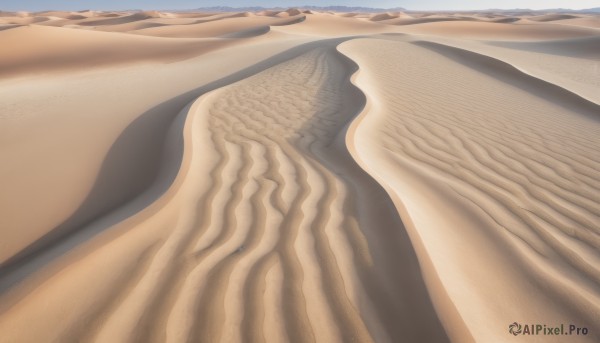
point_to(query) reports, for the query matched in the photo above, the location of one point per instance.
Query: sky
(39, 5)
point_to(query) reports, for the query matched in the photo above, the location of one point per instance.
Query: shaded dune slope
(539, 195)
(228, 27)
(129, 157)
(588, 47)
(510, 74)
(118, 20)
(58, 48)
(267, 233)
(414, 21)
(499, 31)
(553, 17)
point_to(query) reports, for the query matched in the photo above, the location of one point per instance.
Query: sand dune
(383, 16)
(506, 20)
(412, 21)
(298, 176)
(585, 21)
(121, 20)
(574, 68)
(25, 20)
(553, 17)
(500, 31)
(333, 26)
(508, 174)
(56, 48)
(228, 26)
(588, 47)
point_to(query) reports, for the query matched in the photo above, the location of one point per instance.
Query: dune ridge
(549, 208)
(310, 177)
(506, 72)
(295, 199)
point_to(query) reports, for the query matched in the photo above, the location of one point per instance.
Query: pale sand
(298, 176)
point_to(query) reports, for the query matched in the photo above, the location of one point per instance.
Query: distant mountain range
(316, 8)
(549, 10)
(374, 10)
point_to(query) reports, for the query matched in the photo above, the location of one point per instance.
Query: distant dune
(298, 175)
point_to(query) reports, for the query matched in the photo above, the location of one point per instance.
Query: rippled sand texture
(298, 176)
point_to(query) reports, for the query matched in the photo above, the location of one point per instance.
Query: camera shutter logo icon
(515, 328)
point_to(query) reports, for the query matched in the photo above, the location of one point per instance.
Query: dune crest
(500, 175)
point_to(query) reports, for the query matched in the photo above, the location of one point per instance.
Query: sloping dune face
(293, 176)
(498, 163)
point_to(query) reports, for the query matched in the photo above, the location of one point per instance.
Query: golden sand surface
(298, 176)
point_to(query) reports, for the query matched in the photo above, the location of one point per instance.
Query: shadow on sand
(135, 162)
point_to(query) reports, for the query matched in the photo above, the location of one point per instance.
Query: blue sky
(37, 5)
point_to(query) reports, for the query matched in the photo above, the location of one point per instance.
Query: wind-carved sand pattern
(298, 176)
(274, 246)
(528, 166)
(290, 215)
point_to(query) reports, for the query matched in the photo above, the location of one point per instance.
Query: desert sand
(298, 176)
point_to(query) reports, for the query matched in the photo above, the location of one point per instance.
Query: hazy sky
(36, 5)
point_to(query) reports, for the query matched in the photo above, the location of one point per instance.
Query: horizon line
(308, 7)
